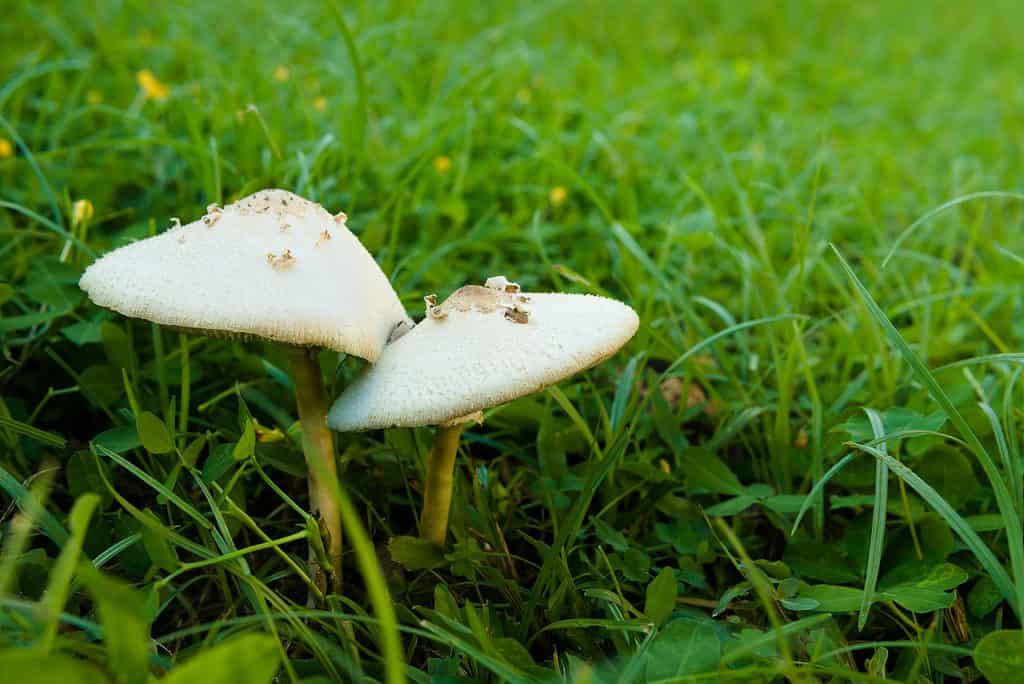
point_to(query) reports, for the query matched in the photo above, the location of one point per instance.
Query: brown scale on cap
(497, 295)
(433, 310)
(473, 298)
(213, 214)
(517, 314)
(280, 202)
(281, 261)
(502, 284)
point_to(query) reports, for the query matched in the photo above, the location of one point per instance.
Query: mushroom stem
(437, 496)
(318, 446)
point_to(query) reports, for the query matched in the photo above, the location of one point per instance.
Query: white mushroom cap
(480, 348)
(272, 265)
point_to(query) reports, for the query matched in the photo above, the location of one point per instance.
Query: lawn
(805, 466)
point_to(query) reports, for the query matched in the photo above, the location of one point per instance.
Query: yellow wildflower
(524, 95)
(151, 86)
(266, 435)
(82, 211)
(94, 97)
(557, 195)
(320, 103)
(442, 164)
(6, 149)
(282, 73)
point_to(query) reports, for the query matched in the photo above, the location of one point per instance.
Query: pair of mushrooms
(277, 266)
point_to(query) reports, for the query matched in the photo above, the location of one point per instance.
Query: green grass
(635, 523)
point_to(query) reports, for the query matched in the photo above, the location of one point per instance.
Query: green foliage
(805, 466)
(125, 619)
(252, 658)
(1000, 656)
(684, 647)
(660, 596)
(245, 447)
(62, 574)
(415, 553)
(153, 433)
(36, 667)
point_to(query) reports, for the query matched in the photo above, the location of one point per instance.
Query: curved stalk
(437, 494)
(318, 447)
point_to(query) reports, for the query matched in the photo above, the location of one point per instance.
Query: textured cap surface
(272, 265)
(480, 348)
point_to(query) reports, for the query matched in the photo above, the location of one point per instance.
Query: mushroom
(235, 273)
(482, 347)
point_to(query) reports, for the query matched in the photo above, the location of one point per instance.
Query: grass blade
(1016, 478)
(767, 639)
(1004, 450)
(19, 529)
(955, 202)
(575, 417)
(1012, 521)
(813, 495)
(115, 549)
(575, 517)
(41, 436)
(59, 587)
(877, 540)
(32, 508)
(373, 576)
(357, 72)
(624, 391)
(185, 507)
(1011, 357)
(711, 339)
(960, 526)
(449, 638)
(44, 184)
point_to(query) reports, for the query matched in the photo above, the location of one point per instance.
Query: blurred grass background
(693, 159)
